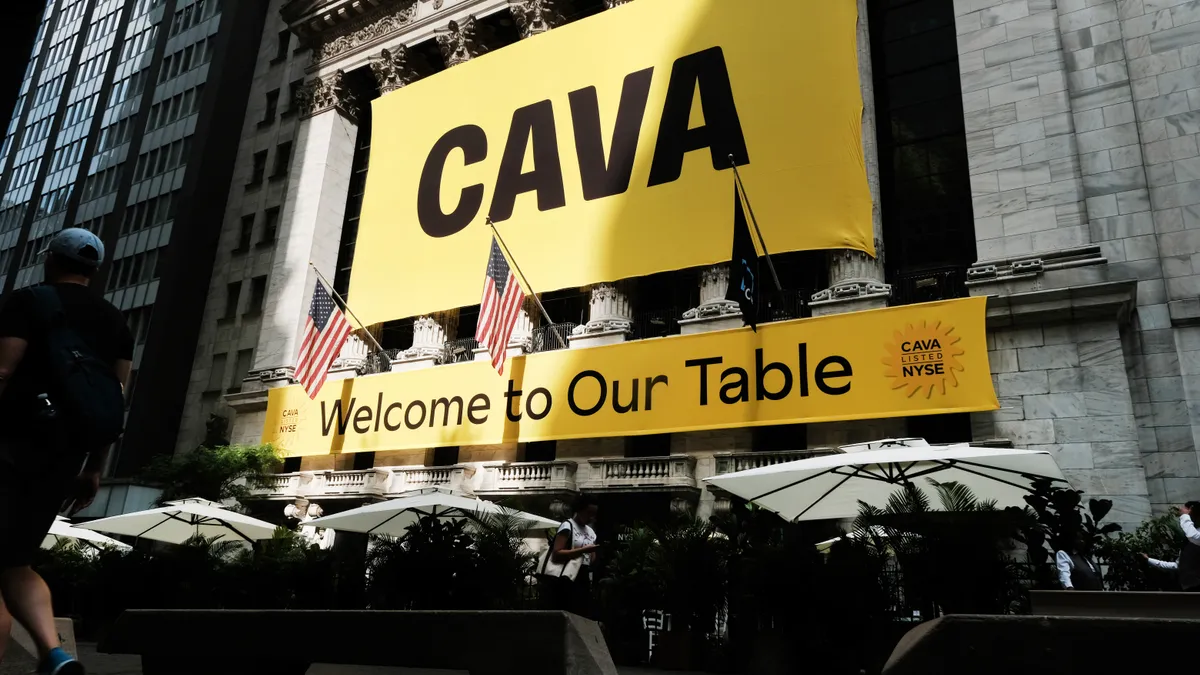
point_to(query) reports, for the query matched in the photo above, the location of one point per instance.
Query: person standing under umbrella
(1188, 564)
(576, 540)
(65, 356)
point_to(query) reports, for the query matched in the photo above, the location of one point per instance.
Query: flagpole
(378, 347)
(513, 261)
(763, 242)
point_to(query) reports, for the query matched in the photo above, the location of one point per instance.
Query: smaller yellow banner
(912, 360)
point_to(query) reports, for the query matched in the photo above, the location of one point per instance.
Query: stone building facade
(1078, 152)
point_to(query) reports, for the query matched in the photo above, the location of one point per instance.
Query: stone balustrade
(554, 476)
(379, 482)
(625, 474)
(731, 462)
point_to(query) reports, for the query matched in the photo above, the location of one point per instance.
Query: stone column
(536, 16)
(856, 280)
(313, 214)
(610, 316)
(430, 335)
(714, 312)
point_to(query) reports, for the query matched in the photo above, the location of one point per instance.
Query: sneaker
(58, 662)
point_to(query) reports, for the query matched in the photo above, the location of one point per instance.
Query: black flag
(743, 267)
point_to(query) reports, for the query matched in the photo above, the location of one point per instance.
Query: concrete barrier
(1045, 645)
(1116, 604)
(276, 642)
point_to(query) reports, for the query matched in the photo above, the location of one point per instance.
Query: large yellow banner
(912, 360)
(602, 151)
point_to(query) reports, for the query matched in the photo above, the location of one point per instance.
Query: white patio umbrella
(394, 516)
(831, 486)
(62, 530)
(179, 521)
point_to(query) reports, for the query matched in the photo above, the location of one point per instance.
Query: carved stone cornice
(325, 94)
(366, 30)
(460, 42)
(536, 16)
(323, 21)
(396, 68)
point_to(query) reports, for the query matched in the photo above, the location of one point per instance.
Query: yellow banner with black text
(602, 151)
(911, 360)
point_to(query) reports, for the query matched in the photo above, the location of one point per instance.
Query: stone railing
(366, 483)
(731, 462)
(414, 478)
(633, 474)
(556, 476)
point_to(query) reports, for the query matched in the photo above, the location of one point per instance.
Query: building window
(291, 464)
(270, 226)
(233, 293)
(245, 358)
(445, 456)
(283, 159)
(293, 91)
(653, 445)
(364, 461)
(260, 169)
(779, 438)
(216, 375)
(281, 47)
(258, 295)
(272, 108)
(541, 451)
(245, 232)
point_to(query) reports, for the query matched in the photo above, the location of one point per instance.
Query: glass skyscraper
(126, 124)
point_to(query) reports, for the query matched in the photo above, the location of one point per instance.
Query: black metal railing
(784, 306)
(656, 323)
(929, 285)
(551, 337)
(459, 351)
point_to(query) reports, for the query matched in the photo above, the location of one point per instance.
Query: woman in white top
(575, 539)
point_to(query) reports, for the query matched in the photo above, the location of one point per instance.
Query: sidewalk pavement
(17, 663)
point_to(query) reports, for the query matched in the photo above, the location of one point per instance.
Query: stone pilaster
(311, 225)
(397, 68)
(460, 42)
(714, 312)
(536, 16)
(610, 316)
(855, 278)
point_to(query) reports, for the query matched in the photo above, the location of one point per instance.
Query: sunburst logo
(924, 358)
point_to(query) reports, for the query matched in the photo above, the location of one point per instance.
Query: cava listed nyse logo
(923, 359)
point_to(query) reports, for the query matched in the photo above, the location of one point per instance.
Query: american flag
(500, 307)
(324, 333)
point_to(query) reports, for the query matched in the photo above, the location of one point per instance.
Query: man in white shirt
(1188, 564)
(1076, 570)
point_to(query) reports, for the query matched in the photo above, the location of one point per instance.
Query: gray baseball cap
(76, 243)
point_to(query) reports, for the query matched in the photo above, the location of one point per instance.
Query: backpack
(86, 401)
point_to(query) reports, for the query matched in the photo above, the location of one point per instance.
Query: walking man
(65, 355)
(1188, 564)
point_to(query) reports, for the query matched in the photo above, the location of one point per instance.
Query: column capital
(328, 93)
(536, 16)
(396, 68)
(460, 41)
